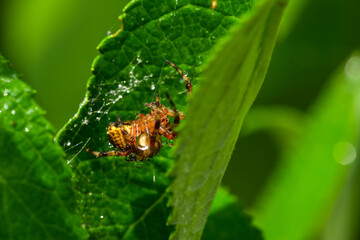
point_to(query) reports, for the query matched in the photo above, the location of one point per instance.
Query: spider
(140, 139)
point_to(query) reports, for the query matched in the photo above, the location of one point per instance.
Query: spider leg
(171, 113)
(157, 99)
(105, 154)
(187, 80)
(156, 130)
(176, 113)
(168, 133)
(119, 123)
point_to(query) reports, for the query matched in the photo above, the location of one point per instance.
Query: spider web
(127, 99)
(113, 196)
(110, 102)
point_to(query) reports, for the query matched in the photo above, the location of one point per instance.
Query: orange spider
(140, 139)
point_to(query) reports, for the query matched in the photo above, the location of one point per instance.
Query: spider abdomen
(117, 137)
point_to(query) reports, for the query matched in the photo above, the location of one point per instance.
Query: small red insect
(140, 139)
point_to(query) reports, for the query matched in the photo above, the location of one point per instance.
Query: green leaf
(344, 219)
(230, 84)
(286, 125)
(115, 199)
(36, 198)
(306, 183)
(227, 220)
(292, 15)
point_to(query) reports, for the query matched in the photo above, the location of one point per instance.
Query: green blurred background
(316, 38)
(53, 43)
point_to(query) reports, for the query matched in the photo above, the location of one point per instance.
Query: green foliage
(312, 174)
(116, 199)
(225, 52)
(37, 200)
(227, 220)
(52, 43)
(230, 84)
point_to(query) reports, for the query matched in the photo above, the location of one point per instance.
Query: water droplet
(152, 86)
(344, 153)
(13, 112)
(101, 216)
(90, 193)
(68, 143)
(352, 68)
(108, 33)
(6, 106)
(85, 122)
(6, 92)
(213, 37)
(27, 130)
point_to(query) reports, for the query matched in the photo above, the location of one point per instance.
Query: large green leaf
(309, 178)
(345, 216)
(114, 198)
(36, 197)
(230, 84)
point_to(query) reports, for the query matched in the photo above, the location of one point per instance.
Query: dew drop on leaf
(352, 68)
(344, 153)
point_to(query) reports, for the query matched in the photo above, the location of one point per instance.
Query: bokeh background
(53, 43)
